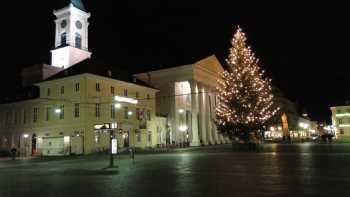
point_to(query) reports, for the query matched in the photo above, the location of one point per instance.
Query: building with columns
(63, 104)
(187, 97)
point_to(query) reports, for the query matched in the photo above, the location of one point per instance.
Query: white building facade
(187, 97)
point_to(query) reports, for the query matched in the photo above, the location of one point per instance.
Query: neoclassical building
(187, 96)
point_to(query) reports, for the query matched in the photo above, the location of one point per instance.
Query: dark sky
(302, 46)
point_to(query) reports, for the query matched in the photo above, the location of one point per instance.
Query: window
(137, 95)
(340, 121)
(341, 131)
(112, 90)
(63, 39)
(76, 110)
(97, 139)
(62, 112)
(48, 109)
(35, 114)
(77, 87)
(98, 88)
(348, 110)
(62, 89)
(137, 114)
(98, 110)
(148, 97)
(77, 41)
(148, 115)
(48, 92)
(150, 137)
(138, 136)
(112, 111)
(125, 92)
(126, 112)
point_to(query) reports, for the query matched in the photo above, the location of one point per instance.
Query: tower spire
(78, 4)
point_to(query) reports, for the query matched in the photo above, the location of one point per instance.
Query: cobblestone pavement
(277, 170)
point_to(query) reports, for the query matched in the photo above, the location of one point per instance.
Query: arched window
(63, 39)
(78, 41)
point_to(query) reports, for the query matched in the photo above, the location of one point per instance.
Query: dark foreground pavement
(278, 170)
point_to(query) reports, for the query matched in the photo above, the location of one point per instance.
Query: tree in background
(245, 96)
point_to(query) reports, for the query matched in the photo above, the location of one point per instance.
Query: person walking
(13, 153)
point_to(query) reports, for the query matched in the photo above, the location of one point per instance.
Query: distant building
(341, 121)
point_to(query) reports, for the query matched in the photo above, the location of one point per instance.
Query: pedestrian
(132, 154)
(13, 153)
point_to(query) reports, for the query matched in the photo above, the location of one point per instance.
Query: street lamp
(58, 111)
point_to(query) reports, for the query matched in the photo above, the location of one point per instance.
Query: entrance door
(53, 146)
(77, 145)
(33, 144)
(126, 139)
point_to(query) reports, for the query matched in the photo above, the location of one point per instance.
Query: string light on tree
(245, 96)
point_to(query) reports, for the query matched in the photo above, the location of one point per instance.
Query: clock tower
(71, 39)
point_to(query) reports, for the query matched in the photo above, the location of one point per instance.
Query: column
(202, 116)
(194, 114)
(213, 118)
(209, 117)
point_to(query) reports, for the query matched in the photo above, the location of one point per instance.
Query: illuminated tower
(71, 39)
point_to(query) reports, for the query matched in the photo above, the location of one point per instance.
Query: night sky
(302, 46)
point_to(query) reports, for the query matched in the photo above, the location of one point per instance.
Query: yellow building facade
(62, 120)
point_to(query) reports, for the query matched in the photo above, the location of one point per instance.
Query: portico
(187, 97)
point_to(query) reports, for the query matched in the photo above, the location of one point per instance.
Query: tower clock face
(63, 24)
(78, 24)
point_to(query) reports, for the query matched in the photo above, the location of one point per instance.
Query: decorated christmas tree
(245, 96)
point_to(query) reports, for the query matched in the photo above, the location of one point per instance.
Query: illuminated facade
(61, 119)
(71, 38)
(341, 120)
(187, 97)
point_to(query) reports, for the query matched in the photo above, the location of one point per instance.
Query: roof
(78, 4)
(101, 69)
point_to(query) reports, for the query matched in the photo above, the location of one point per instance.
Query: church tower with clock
(71, 37)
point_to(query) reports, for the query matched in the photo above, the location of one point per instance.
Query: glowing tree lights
(244, 95)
